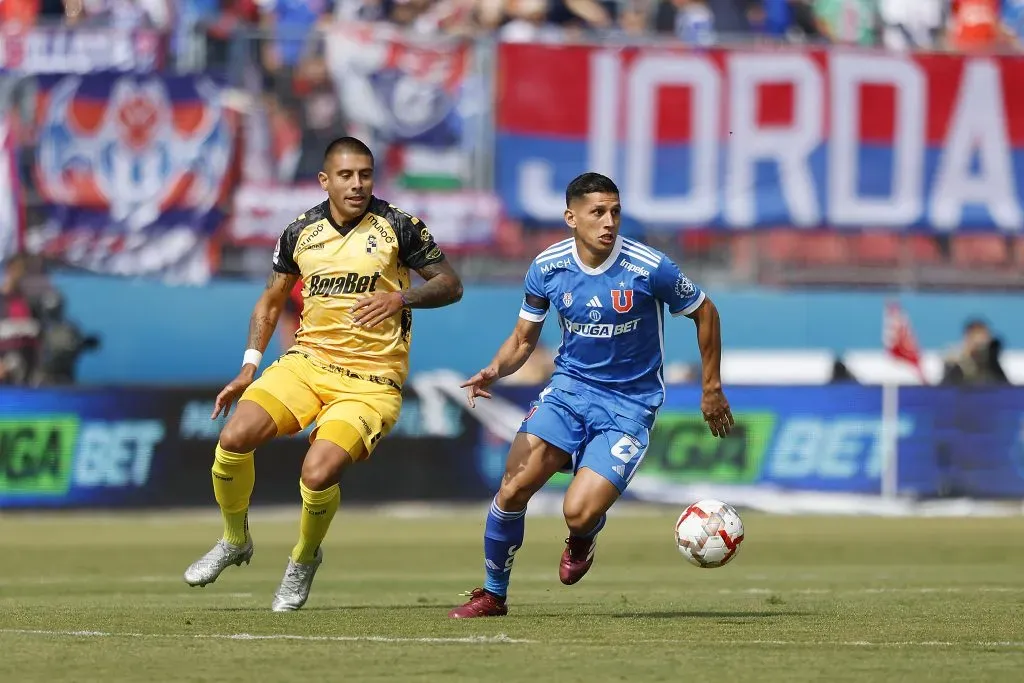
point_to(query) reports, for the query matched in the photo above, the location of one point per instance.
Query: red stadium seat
(877, 248)
(1018, 250)
(979, 250)
(826, 248)
(782, 245)
(922, 249)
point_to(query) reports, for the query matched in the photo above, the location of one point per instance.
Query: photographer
(62, 342)
(977, 360)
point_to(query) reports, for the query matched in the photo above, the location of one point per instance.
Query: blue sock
(502, 538)
(597, 528)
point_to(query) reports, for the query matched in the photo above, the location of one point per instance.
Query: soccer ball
(708, 533)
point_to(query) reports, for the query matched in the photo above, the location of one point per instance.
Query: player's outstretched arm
(713, 403)
(264, 319)
(510, 357)
(442, 287)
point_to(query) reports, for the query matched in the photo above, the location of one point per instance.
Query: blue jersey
(611, 319)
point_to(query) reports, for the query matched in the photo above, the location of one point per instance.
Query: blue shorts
(592, 431)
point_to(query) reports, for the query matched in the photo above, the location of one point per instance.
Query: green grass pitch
(100, 598)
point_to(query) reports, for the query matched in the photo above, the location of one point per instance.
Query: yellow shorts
(353, 413)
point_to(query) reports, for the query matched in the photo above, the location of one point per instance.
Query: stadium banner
(822, 439)
(416, 96)
(12, 224)
(78, 49)
(153, 448)
(459, 220)
(138, 447)
(747, 138)
(131, 170)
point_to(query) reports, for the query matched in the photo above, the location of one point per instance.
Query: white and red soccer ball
(709, 533)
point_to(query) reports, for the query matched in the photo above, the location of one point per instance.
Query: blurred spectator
(19, 325)
(527, 21)
(29, 12)
(805, 24)
(977, 359)
(62, 343)
(205, 31)
(977, 25)
(691, 21)
(317, 111)
(912, 24)
(289, 23)
(848, 22)
(704, 22)
(120, 14)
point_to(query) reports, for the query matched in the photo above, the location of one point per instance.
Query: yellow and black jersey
(340, 264)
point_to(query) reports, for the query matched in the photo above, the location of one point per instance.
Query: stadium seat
(979, 250)
(877, 248)
(825, 248)
(1018, 250)
(922, 249)
(782, 245)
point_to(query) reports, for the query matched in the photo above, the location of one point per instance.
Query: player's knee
(321, 472)
(236, 437)
(515, 494)
(580, 516)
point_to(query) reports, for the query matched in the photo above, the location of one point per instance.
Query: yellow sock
(318, 508)
(233, 477)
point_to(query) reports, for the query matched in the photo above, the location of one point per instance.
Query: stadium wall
(158, 334)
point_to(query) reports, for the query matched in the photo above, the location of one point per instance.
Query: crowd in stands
(896, 24)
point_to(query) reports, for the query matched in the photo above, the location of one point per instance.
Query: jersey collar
(608, 262)
(348, 226)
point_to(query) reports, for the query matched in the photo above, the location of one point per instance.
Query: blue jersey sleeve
(535, 301)
(675, 289)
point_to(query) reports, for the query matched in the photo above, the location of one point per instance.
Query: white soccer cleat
(208, 567)
(294, 588)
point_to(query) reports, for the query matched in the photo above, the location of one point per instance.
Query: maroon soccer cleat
(576, 559)
(481, 604)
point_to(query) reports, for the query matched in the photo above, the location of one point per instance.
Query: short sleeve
(284, 252)
(535, 301)
(681, 295)
(416, 246)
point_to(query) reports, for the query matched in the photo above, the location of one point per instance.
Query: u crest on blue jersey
(567, 299)
(622, 300)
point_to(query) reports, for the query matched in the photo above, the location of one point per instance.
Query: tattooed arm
(442, 287)
(261, 328)
(267, 311)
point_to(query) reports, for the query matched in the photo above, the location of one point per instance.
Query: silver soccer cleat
(294, 588)
(208, 567)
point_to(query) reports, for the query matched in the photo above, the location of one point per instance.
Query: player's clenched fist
(476, 385)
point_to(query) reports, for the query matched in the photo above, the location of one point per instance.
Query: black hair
(588, 183)
(975, 324)
(347, 144)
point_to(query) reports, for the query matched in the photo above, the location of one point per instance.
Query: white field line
(502, 639)
(29, 581)
(499, 639)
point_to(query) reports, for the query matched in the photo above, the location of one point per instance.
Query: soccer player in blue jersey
(595, 416)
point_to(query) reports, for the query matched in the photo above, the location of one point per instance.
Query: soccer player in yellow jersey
(346, 368)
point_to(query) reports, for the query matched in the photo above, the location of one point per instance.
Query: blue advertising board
(951, 441)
